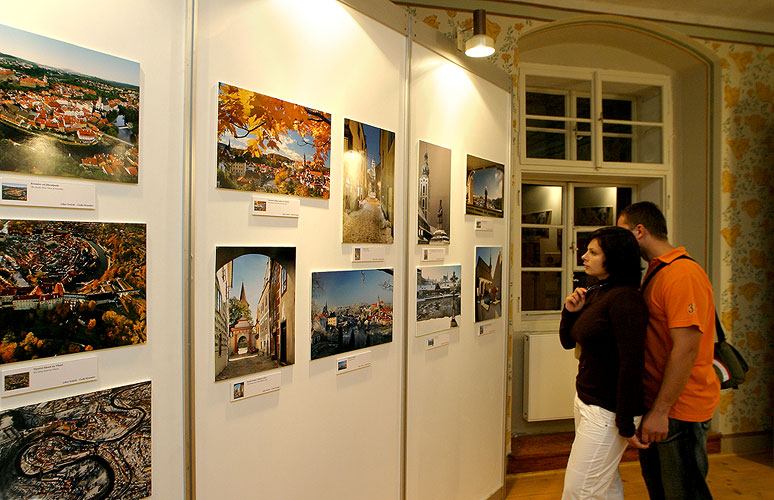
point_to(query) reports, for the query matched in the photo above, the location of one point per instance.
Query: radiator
(549, 378)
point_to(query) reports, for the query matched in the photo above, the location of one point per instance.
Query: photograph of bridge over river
(67, 111)
(87, 447)
(68, 287)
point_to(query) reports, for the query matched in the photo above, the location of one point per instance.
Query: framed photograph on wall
(98, 443)
(269, 145)
(439, 302)
(67, 111)
(255, 308)
(69, 287)
(489, 283)
(434, 210)
(484, 187)
(351, 310)
(369, 184)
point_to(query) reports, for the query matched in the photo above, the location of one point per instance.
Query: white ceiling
(755, 15)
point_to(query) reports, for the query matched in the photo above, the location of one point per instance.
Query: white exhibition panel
(456, 393)
(153, 34)
(320, 435)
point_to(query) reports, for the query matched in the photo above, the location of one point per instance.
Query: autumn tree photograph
(68, 287)
(269, 145)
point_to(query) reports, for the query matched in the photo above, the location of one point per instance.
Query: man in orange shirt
(681, 388)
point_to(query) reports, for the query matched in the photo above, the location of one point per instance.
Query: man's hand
(654, 426)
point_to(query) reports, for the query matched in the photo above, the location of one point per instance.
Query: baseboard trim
(743, 442)
(498, 495)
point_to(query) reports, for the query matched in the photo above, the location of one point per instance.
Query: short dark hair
(622, 255)
(647, 214)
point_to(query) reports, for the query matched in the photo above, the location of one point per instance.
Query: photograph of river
(438, 298)
(67, 111)
(95, 446)
(68, 287)
(350, 310)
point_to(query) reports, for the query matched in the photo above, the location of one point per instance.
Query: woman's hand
(575, 301)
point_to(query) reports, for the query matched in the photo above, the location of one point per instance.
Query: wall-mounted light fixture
(480, 44)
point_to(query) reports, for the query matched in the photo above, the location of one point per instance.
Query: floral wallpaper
(747, 205)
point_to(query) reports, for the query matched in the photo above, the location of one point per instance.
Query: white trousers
(592, 470)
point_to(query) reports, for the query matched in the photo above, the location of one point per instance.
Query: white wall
(455, 399)
(322, 435)
(153, 34)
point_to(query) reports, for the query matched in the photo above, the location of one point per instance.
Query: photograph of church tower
(484, 187)
(434, 194)
(489, 282)
(254, 310)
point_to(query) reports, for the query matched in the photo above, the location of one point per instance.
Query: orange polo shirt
(679, 296)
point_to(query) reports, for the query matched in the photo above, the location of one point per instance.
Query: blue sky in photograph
(249, 269)
(49, 52)
(343, 288)
(488, 254)
(291, 145)
(491, 179)
(437, 272)
(372, 144)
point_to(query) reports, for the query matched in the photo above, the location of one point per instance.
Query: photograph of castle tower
(350, 310)
(255, 304)
(484, 187)
(369, 179)
(269, 145)
(434, 194)
(438, 298)
(67, 111)
(489, 282)
(69, 287)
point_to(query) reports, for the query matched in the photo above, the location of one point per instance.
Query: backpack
(729, 365)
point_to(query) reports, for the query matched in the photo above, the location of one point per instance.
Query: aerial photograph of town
(67, 111)
(272, 146)
(88, 447)
(438, 298)
(350, 310)
(484, 187)
(255, 309)
(489, 282)
(369, 179)
(68, 287)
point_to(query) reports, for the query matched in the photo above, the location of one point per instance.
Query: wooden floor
(744, 477)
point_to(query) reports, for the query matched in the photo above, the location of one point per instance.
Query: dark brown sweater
(611, 332)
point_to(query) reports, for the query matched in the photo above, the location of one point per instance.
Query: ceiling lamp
(480, 44)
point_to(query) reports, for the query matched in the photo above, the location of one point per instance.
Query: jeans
(592, 470)
(676, 468)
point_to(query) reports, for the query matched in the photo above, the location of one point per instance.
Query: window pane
(583, 147)
(616, 109)
(538, 103)
(645, 101)
(545, 145)
(541, 204)
(583, 107)
(541, 247)
(617, 149)
(594, 206)
(541, 291)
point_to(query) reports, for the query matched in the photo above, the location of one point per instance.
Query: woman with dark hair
(608, 320)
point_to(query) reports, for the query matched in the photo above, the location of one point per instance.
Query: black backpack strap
(718, 327)
(657, 269)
